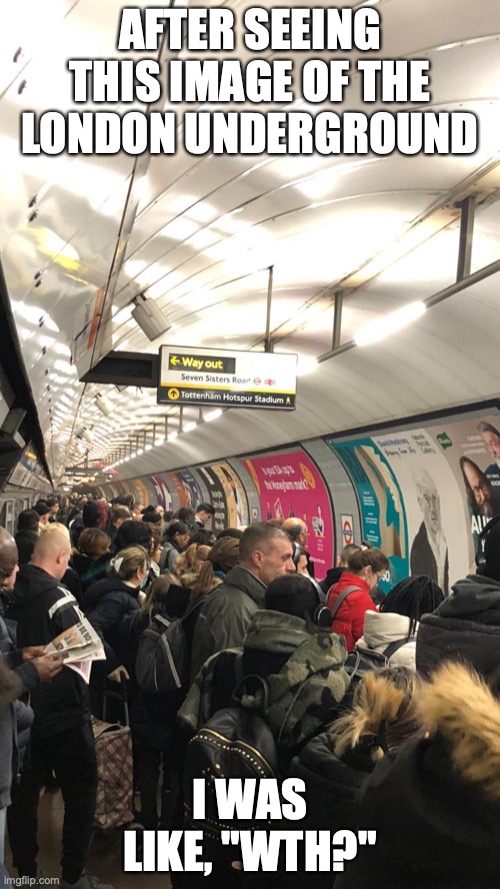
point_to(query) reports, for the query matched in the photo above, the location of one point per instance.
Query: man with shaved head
(61, 738)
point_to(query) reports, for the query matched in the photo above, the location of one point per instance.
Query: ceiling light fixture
(212, 415)
(104, 405)
(388, 324)
(149, 317)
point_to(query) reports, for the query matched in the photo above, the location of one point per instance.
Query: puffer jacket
(465, 627)
(381, 629)
(350, 617)
(436, 806)
(305, 675)
(225, 616)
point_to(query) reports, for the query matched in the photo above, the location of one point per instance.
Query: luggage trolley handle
(119, 693)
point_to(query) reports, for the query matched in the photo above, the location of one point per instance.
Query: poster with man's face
(426, 493)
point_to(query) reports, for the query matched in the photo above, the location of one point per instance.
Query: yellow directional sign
(194, 361)
(227, 378)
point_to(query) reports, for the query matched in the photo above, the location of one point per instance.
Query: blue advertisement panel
(383, 515)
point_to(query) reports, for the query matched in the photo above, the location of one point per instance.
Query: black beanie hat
(292, 594)
(90, 514)
(41, 508)
(150, 515)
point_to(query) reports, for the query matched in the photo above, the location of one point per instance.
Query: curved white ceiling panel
(383, 230)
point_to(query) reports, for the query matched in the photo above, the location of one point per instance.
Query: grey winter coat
(226, 615)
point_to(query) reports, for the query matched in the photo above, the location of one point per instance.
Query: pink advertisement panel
(290, 484)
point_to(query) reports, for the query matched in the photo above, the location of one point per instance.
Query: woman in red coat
(364, 570)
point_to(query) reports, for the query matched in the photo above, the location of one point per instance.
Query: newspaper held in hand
(79, 645)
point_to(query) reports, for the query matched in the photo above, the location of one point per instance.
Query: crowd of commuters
(410, 750)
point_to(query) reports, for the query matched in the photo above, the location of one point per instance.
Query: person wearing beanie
(393, 629)
(43, 511)
(286, 646)
(27, 534)
(466, 626)
(150, 515)
(96, 515)
(224, 555)
(90, 514)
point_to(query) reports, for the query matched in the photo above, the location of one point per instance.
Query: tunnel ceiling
(198, 234)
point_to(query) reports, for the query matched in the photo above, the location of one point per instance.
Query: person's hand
(48, 666)
(117, 674)
(33, 651)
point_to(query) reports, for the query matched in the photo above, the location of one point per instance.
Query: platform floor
(105, 859)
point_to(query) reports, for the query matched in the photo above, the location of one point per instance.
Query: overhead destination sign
(222, 378)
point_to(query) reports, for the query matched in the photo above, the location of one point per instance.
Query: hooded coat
(466, 626)
(305, 675)
(331, 787)
(383, 628)
(436, 806)
(44, 608)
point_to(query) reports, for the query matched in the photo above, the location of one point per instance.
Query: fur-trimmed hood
(457, 705)
(436, 805)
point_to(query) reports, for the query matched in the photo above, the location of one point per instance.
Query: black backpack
(236, 742)
(163, 663)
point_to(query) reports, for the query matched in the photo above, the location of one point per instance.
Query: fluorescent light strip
(388, 324)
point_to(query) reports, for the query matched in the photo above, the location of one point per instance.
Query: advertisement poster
(236, 499)
(382, 508)
(187, 488)
(141, 492)
(163, 496)
(290, 484)
(426, 494)
(471, 447)
(217, 497)
(227, 496)
(433, 505)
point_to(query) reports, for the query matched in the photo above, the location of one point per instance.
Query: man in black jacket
(62, 737)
